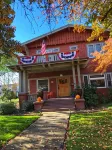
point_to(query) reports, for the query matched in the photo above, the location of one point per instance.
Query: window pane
(98, 47)
(98, 83)
(43, 85)
(90, 50)
(109, 82)
(96, 76)
(85, 80)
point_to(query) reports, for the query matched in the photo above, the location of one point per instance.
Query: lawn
(90, 131)
(10, 126)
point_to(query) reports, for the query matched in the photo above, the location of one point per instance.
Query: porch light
(61, 75)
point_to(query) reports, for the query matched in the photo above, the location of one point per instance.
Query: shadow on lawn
(41, 133)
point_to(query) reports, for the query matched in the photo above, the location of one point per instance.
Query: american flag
(43, 48)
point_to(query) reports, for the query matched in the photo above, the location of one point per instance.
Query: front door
(63, 86)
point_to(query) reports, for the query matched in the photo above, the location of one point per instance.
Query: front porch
(60, 77)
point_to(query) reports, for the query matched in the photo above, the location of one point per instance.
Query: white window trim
(106, 78)
(73, 46)
(42, 79)
(52, 49)
(96, 79)
(94, 45)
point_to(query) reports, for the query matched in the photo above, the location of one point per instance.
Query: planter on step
(38, 105)
(79, 104)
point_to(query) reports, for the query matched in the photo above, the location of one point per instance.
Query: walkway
(47, 133)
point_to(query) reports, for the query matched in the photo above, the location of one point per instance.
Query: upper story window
(91, 48)
(74, 47)
(50, 50)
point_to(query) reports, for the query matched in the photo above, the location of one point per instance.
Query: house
(67, 63)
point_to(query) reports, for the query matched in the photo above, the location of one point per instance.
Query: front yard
(90, 131)
(10, 126)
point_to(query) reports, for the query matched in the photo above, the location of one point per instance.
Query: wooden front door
(63, 86)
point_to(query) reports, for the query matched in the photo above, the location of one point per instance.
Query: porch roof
(50, 66)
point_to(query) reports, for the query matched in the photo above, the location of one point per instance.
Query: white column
(79, 76)
(20, 81)
(25, 82)
(74, 76)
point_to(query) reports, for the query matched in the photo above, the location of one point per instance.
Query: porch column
(25, 82)
(23, 88)
(74, 76)
(79, 76)
(20, 81)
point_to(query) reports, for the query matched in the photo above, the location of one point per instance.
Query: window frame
(94, 47)
(42, 79)
(49, 51)
(73, 46)
(110, 73)
(98, 78)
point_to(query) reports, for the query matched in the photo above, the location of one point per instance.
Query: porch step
(58, 104)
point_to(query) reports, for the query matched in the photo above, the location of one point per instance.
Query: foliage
(40, 93)
(7, 108)
(10, 126)
(90, 131)
(104, 58)
(90, 96)
(8, 94)
(27, 106)
(8, 46)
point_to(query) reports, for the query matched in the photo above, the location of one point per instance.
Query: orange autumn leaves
(104, 58)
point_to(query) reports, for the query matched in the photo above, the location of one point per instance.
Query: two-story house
(66, 64)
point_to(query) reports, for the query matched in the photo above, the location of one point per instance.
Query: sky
(27, 29)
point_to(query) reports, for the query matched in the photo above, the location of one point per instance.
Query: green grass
(90, 131)
(10, 126)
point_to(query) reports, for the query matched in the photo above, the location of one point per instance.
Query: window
(91, 48)
(42, 84)
(50, 50)
(53, 57)
(109, 79)
(74, 47)
(85, 79)
(97, 80)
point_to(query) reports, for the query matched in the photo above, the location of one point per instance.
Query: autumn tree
(8, 46)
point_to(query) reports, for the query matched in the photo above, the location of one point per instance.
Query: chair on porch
(50, 95)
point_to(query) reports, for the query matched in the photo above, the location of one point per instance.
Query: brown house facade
(66, 65)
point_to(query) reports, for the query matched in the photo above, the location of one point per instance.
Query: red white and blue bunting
(67, 56)
(28, 60)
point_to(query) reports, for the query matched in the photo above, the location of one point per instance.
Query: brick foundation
(22, 97)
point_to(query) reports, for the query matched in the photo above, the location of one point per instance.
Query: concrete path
(47, 133)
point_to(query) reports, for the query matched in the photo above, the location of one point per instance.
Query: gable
(62, 37)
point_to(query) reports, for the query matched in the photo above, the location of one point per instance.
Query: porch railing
(32, 97)
(50, 57)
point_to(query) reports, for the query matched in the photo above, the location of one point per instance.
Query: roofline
(51, 32)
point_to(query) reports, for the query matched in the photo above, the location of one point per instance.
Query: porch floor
(58, 104)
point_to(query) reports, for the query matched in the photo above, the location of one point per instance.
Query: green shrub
(90, 96)
(7, 108)
(27, 106)
(8, 94)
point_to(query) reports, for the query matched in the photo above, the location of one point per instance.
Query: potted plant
(78, 90)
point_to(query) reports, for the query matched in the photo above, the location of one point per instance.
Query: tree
(8, 46)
